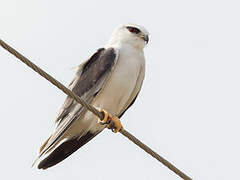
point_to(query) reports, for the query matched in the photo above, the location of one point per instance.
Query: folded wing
(88, 82)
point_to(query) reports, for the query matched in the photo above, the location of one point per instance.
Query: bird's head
(132, 34)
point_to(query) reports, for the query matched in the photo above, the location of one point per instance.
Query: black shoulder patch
(94, 69)
(93, 58)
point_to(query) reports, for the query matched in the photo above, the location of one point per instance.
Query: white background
(188, 109)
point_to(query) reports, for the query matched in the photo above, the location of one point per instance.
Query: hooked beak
(146, 38)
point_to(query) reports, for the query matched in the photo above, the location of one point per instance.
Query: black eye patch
(133, 29)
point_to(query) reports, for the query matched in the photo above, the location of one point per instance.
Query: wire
(92, 109)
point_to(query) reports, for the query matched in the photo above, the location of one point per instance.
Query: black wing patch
(94, 69)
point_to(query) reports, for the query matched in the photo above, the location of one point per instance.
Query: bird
(109, 80)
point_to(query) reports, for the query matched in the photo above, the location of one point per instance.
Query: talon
(105, 119)
(113, 122)
(110, 124)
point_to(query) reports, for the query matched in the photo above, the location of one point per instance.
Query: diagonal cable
(92, 109)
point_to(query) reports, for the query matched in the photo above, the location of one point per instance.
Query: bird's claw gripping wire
(112, 122)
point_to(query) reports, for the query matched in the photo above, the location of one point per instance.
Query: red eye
(133, 29)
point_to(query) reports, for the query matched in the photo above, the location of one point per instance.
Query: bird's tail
(62, 151)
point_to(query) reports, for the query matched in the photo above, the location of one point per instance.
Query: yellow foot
(113, 122)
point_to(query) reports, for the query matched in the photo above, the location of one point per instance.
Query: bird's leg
(113, 122)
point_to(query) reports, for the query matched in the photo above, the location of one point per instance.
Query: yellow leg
(113, 122)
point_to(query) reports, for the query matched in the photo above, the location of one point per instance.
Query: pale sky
(188, 108)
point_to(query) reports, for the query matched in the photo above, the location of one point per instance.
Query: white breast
(122, 81)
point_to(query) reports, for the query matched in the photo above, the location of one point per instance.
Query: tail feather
(65, 149)
(40, 150)
(43, 145)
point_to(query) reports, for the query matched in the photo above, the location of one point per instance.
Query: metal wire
(92, 109)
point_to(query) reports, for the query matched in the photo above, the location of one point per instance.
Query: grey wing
(83, 83)
(135, 91)
(88, 81)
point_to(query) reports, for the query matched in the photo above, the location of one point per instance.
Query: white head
(133, 34)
